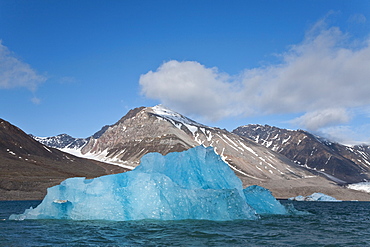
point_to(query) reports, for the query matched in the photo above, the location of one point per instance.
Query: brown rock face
(28, 168)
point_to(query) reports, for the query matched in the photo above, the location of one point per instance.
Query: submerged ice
(194, 184)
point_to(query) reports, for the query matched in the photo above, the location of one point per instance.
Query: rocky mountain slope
(339, 163)
(28, 167)
(158, 129)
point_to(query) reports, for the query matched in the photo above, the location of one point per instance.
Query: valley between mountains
(288, 163)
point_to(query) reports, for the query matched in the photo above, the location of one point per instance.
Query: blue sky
(74, 66)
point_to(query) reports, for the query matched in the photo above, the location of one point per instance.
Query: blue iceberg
(319, 197)
(263, 201)
(194, 184)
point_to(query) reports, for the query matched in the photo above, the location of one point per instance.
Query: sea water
(327, 224)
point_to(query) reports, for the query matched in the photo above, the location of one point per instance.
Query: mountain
(159, 129)
(62, 141)
(339, 163)
(28, 167)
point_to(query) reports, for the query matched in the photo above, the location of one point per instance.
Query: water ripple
(328, 224)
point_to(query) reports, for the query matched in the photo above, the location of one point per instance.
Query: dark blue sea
(327, 224)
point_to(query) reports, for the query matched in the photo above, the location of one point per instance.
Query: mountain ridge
(159, 129)
(173, 132)
(338, 162)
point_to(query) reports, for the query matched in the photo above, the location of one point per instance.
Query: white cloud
(15, 73)
(322, 118)
(347, 135)
(36, 100)
(357, 18)
(321, 72)
(190, 88)
(323, 77)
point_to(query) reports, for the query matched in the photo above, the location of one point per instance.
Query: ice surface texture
(263, 201)
(194, 184)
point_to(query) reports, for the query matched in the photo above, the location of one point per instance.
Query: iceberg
(263, 201)
(193, 184)
(315, 197)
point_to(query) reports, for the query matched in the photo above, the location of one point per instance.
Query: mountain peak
(172, 116)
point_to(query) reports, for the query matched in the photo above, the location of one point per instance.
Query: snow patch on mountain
(364, 186)
(102, 157)
(62, 141)
(177, 119)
